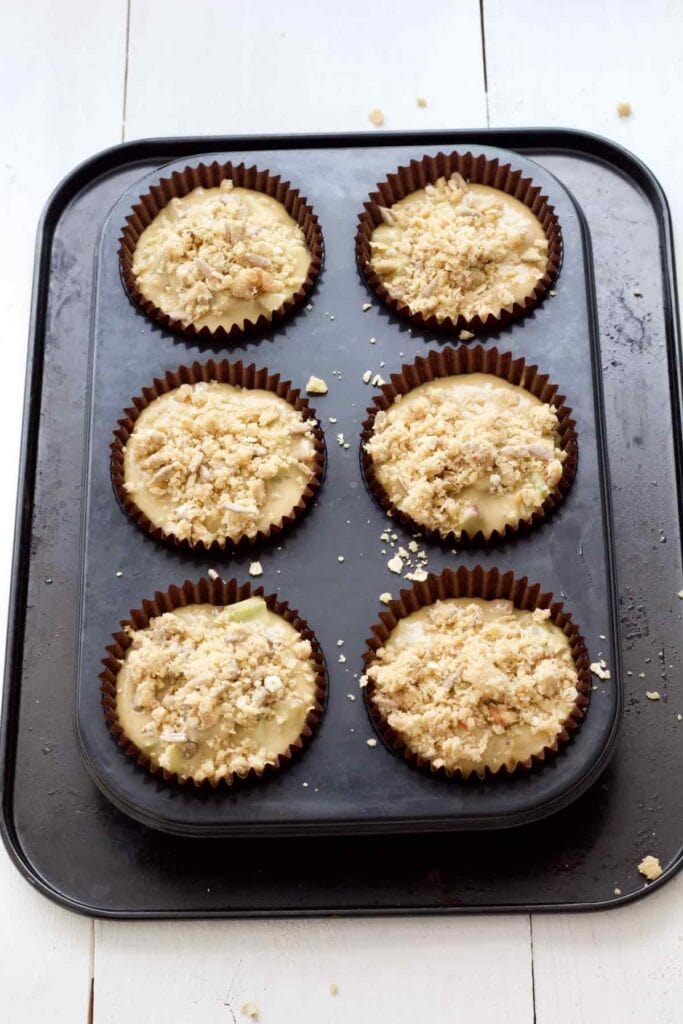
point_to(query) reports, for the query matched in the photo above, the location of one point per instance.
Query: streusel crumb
(650, 867)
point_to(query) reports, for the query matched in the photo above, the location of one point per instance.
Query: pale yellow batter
(220, 256)
(211, 462)
(209, 691)
(471, 684)
(469, 452)
(457, 249)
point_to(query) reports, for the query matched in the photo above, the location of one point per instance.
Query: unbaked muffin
(219, 257)
(467, 453)
(207, 692)
(457, 249)
(468, 684)
(211, 462)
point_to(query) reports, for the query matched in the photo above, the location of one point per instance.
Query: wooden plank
(622, 966)
(570, 67)
(61, 76)
(307, 66)
(433, 969)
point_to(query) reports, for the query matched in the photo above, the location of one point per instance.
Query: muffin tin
(68, 839)
(342, 785)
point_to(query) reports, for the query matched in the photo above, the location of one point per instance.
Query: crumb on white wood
(421, 101)
(250, 1010)
(624, 109)
(376, 117)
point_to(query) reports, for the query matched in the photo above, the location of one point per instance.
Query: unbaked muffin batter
(471, 684)
(213, 462)
(457, 249)
(220, 256)
(208, 691)
(467, 452)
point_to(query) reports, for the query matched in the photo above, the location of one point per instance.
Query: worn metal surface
(85, 852)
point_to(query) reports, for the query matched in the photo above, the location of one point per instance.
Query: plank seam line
(125, 74)
(533, 979)
(482, 27)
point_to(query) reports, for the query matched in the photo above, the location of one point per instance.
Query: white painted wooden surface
(226, 67)
(385, 970)
(301, 66)
(61, 82)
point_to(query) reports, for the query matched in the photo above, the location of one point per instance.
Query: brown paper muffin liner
(218, 592)
(478, 170)
(210, 176)
(490, 584)
(224, 372)
(462, 360)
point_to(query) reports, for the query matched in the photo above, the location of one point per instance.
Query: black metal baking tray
(77, 848)
(340, 785)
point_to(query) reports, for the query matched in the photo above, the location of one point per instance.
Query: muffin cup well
(223, 372)
(211, 175)
(206, 591)
(490, 584)
(479, 170)
(463, 360)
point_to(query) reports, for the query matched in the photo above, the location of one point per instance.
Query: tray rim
(558, 140)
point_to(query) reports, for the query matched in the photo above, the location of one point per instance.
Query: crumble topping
(599, 669)
(467, 452)
(207, 691)
(457, 249)
(219, 256)
(470, 684)
(650, 867)
(316, 386)
(209, 462)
